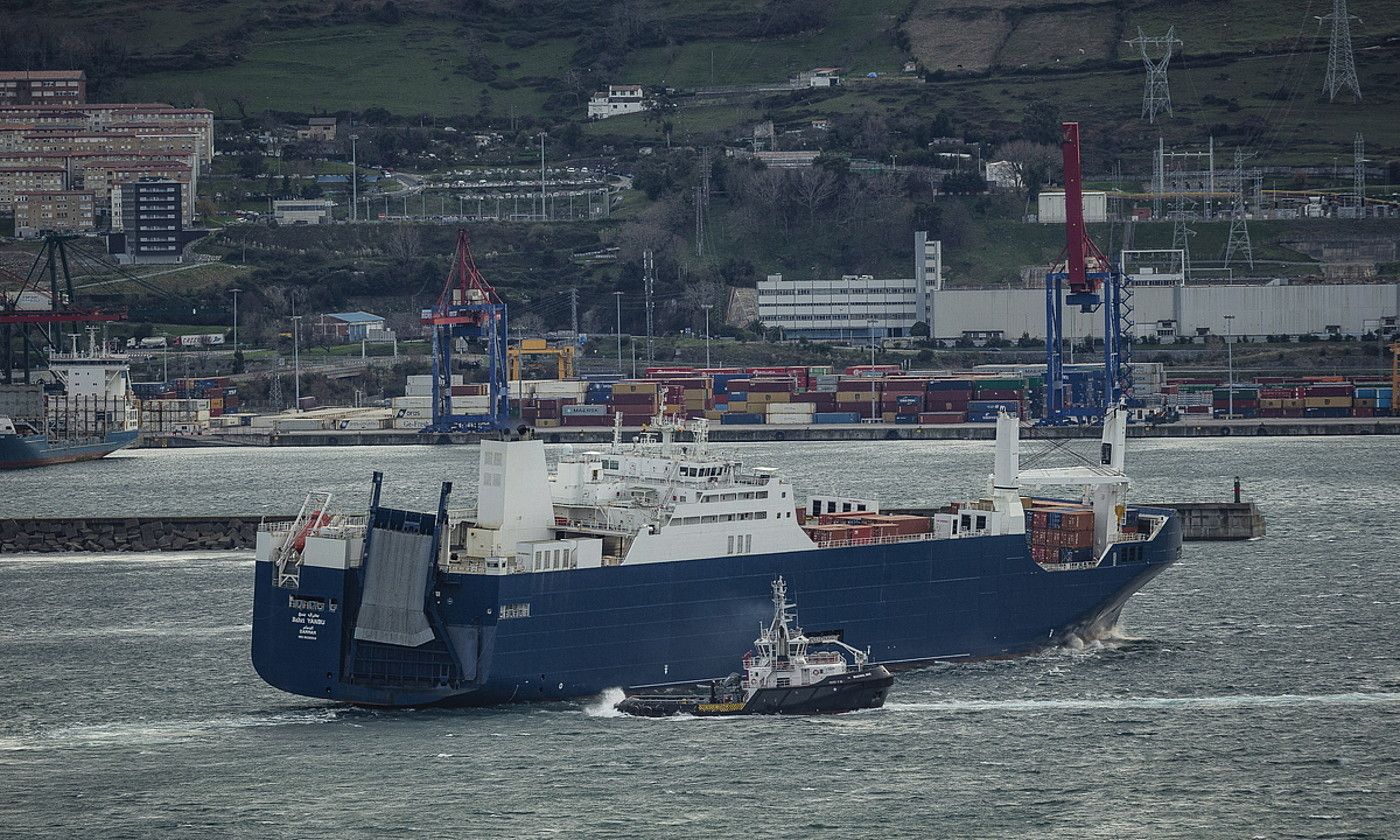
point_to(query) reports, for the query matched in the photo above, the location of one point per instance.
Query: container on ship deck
(862, 385)
(1329, 390)
(860, 532)
(959, 385)
(822, 534)
(634, 387)
(1077, 555)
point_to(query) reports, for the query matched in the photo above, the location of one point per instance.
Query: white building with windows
(616, 101)
(298, 211)
(853, 306)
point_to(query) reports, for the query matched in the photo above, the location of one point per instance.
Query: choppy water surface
(1252, 691)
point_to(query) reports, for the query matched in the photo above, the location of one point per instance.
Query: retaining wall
(132, 533)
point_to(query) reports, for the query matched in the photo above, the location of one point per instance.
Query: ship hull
(24, 451)
(556, 635)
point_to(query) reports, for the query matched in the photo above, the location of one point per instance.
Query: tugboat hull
(865, 689)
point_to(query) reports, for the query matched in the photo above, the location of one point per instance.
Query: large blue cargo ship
(650, 564)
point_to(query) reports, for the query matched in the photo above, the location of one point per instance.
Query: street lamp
(1230, 362)
(296, 358)
(617, 298)
(707, 307)
(873, 415)
(354, 181)
(235, 318)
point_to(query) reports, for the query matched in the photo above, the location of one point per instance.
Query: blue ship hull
(575, 633)
(22, 451)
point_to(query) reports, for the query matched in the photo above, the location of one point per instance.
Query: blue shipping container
(741, 420)
(836, 417)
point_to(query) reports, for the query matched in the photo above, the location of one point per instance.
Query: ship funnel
(1115, 435)
(1008, 460)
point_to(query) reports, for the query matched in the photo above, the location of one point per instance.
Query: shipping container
(737, 419)
(836, 417)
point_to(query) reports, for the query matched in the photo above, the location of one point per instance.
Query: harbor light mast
(468, 308)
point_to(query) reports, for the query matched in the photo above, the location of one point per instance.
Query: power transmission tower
(1238, 243)
(649, 284)
(702, 202)
(1358, 149)
(274, 393)
(573, 309)
(1156, 55)
(1341, 62)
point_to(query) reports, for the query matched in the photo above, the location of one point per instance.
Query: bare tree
(813, 188)
(1034, 163)
(404, 243)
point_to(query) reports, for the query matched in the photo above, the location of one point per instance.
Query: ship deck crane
(1095, 284)
(468, 308)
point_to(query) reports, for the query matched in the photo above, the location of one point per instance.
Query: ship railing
(887, 540)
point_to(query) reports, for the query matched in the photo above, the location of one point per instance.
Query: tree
(1034, 163)
(238, 363)
(919, 330)
(405, 244)
(659, 110)
(1041, 122)
(814, 187)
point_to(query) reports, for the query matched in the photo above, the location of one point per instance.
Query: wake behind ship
(643, 565)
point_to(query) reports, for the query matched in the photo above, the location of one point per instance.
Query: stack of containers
(1245, 401)
(636, 400)
(946, 401)
(1373, 401)
(857, 394)
(1280, 401)
(765, 392)
(1060, 533)
(1331, 399)
(902, 399)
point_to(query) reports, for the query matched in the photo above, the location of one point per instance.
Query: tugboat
(782, 678)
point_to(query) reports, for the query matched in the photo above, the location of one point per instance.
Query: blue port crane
(1095, 284)
(468, 308)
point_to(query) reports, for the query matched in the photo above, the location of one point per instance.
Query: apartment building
(23, 87)
(16, 178)
(57, 211)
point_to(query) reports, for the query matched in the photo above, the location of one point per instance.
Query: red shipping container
(996, 394)
(942, 417)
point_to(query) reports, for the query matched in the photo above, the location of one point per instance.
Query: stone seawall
(130, 533)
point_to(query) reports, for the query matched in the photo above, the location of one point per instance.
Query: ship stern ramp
(368, 635)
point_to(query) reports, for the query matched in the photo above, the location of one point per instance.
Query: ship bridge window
(981, 523)
(966, 522)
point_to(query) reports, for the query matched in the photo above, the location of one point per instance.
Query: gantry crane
(1095, 284)
(468, 308)
(21, 317)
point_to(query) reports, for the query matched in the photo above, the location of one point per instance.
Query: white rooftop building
(615, 101)
(853, 306)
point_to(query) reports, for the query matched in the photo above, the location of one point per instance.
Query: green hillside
(1248, 72)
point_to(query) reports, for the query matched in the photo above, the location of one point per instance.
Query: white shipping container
(791, 408)
(301, 424)
(415, 424)
(789, 420)
(363, 424)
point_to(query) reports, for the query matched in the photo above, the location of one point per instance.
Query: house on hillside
(817, 77)
(615, 101)
(318, 129)
(345, 327)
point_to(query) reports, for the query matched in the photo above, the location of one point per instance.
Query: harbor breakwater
(130, 533)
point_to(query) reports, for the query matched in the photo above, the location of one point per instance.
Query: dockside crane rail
(1094, 284)
(468, 307)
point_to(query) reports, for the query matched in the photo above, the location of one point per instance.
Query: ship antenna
(617, 431)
